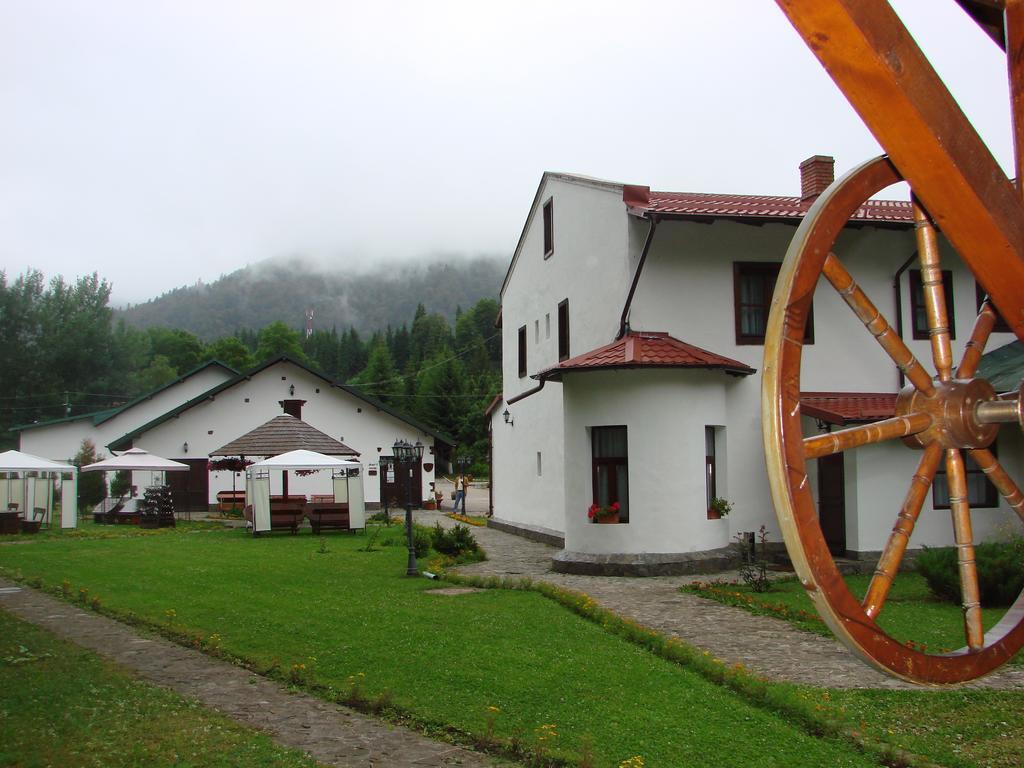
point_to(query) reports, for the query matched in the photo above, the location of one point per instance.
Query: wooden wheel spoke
(994, 471)
(867, 434)
(956, 475)
(975, 348)
(877, 325)
(892, 555)
(934, 294)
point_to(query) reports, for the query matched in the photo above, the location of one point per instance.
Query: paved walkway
(769, 647)
(331, 734)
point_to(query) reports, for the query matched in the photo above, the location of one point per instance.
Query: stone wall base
(646, 564)
(531, 532)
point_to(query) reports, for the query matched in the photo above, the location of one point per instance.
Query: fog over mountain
(366, 298)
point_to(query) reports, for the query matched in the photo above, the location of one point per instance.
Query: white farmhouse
(214, 410)
(632, 327)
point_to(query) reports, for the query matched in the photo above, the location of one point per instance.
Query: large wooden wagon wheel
(945, 410)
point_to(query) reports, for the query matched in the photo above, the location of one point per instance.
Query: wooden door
(832, 502)
(190, 490)
(394, 485)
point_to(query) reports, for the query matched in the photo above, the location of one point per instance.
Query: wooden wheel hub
(954, 412)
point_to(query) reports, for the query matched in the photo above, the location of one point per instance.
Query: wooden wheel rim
(786, 462)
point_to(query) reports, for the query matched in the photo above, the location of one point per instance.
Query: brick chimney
(292, 407)
(816, 173)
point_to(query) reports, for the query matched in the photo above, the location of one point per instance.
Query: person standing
(460, 493)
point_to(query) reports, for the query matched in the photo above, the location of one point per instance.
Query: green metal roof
(126, 440)
(98, 417)
(1003, 367)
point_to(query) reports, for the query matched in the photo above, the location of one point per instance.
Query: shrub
(455, 542)
(1000, 566)
(421, 540)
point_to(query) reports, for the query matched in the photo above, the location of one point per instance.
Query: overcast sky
(160, 143)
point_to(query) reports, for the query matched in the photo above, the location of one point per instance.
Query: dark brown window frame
(979, 296)
(741, 269)
(563, 330)
(710, 470)
(522, 352)
(610, 461)
(921, 334)
(548, 215)
(991, 500)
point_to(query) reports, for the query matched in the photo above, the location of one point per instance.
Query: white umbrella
(136, 459)
(303, 459)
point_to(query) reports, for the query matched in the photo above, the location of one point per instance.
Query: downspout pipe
(623, 320)
(899, 306)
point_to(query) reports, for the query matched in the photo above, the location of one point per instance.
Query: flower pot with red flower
(604, 515)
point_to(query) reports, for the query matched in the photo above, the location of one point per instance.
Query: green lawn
(352, 616)
(353, 619)
(63, 706)
(911, 612)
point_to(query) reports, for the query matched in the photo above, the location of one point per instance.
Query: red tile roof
(643, 349)
(641, 201)
(845, 407)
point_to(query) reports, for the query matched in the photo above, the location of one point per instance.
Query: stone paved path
(331, 734)
(767, 646)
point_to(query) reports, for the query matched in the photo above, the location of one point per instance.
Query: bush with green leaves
(1000, 566)
(421, 540)
(454, 542)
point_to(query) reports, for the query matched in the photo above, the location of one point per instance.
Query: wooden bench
(10, 522)
(228, 500)
(331, 516)
(287, 514)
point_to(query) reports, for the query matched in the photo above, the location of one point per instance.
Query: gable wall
(62, 441)
(331, 410)
(590, 266)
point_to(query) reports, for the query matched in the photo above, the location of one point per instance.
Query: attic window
(247, 399)
(318, 390)
(522, 351)
(549, 232)
(284, 378)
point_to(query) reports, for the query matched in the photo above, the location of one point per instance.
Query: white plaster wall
(62, 441)
(883, 475)
(665, 413)
(687, 290)
(589, 267)
(215, 422)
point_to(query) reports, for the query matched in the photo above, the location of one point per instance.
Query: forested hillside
(62, 352)
(283, 289)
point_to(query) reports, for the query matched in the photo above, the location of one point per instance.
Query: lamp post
(405, 453)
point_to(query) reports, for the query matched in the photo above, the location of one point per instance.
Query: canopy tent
(137, 460)
(346, 480)
(31, 493)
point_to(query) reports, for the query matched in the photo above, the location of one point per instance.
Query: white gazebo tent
(137, 460)
(28, 481)
(346, 477)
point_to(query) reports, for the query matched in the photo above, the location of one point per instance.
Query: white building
(632, 327)
(205, 410)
